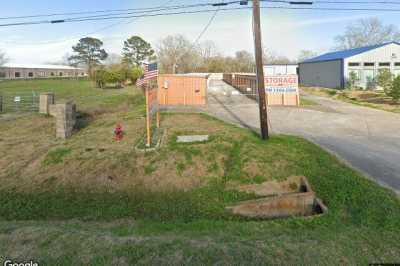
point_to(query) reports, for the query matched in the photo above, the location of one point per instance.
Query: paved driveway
(366, 138)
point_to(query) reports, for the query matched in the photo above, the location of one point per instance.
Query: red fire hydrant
(118, 133)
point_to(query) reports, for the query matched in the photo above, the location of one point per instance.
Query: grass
(82, 92)
(372, 99)
(56, 156)
(99, 202)
(307, 102)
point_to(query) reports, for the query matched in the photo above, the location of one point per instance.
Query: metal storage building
(332, 70)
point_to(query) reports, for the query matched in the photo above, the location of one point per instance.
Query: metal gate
(19, 102)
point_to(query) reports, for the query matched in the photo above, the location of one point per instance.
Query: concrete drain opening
(292, 197)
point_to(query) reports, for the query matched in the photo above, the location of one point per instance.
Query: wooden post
(298, 99)
(158, 118)
(260, 70)
(148, 119)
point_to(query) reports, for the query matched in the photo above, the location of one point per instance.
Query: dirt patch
(270, 188)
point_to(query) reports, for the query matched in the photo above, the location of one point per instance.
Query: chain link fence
(19, 102)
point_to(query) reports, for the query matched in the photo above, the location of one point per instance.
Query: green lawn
(82, 92)
(92, 201)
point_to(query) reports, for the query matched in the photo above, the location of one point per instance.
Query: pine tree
(136, 51)
(89, 52)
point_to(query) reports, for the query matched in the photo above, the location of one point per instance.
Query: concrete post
(65, 119)
(46, 99)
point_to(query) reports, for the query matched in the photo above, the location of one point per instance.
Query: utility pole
(260, 70)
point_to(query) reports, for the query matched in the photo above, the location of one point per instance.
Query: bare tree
(245, 62)
(271, 57)
(177, 55)
(3, 58)
(365, 32)
(305, 54)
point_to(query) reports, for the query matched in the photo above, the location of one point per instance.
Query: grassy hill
(93, 201)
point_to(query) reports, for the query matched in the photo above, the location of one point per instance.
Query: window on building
(354, 64)
(369, 64)
(397, 64)
(52, 74)
(17, 74)
(2, 75)
(384, 64)
(30, 74)
(60, 74)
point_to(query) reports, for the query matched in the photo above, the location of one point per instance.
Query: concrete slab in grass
(193, 138)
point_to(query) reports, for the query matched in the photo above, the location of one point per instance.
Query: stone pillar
(46, 99)
(65, 119)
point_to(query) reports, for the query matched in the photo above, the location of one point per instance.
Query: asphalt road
(365, 138)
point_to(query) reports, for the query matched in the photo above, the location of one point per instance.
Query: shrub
(351, 82)
(395, 89)
(116, 74)
(134, 74)
(385, 79)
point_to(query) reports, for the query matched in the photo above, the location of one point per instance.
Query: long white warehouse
(332, 70)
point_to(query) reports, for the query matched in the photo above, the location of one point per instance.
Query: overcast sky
(284, 31)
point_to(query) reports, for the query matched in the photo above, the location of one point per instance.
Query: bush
(351, 82)
(395, 89)
(385, 79)
(135, 73)
(117, 74)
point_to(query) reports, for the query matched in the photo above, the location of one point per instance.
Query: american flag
(150, 72)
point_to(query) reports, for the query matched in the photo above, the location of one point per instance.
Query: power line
(125, 11)
(166, 8)
(81, 19)
(334, 2)
(93, 32)
(206, 27)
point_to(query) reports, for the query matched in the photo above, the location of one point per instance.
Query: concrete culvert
(292, 197)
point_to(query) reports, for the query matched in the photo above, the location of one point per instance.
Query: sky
(285, 32)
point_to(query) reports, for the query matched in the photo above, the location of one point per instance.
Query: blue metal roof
(345, 53)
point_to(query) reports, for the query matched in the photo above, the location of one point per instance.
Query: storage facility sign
(282, 84)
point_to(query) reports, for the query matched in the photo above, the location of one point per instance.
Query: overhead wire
(86, 34)
(82, 19)
(129, 10)
(110, 12)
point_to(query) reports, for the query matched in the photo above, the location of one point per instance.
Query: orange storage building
(182, 89)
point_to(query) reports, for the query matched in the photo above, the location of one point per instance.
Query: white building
(27, 71)
(280, 69)
(332, 70)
